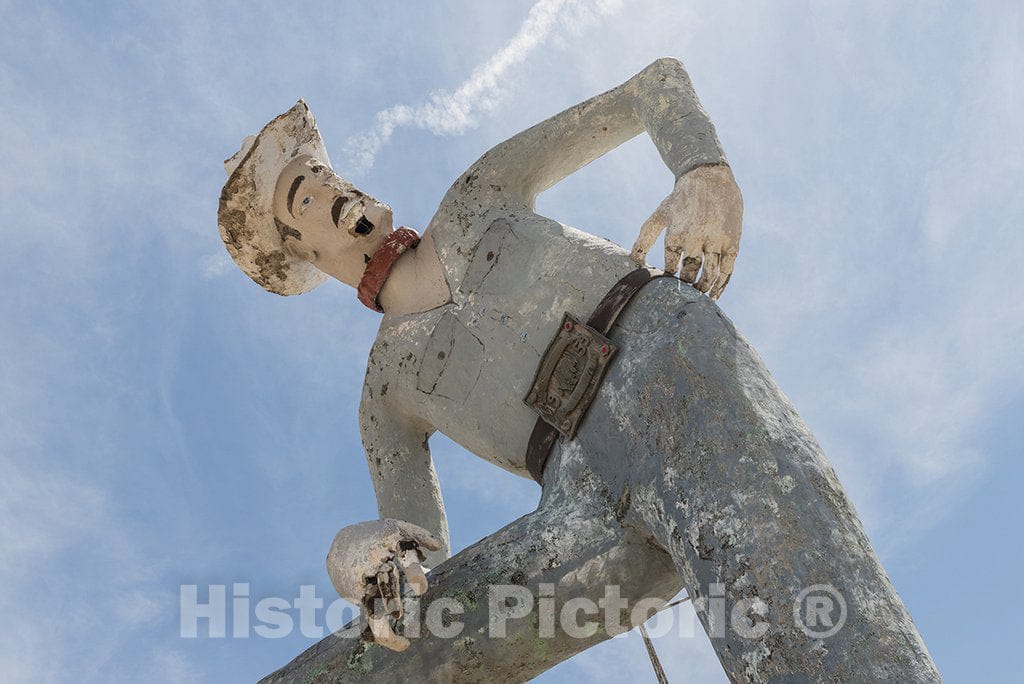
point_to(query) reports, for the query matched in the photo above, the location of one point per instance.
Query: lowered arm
(403, 472)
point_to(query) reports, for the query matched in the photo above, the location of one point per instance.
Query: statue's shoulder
(469, 210)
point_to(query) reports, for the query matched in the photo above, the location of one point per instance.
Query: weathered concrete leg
(690, 447)
(729, 480)
(573, 540)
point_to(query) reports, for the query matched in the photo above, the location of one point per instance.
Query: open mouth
(363, 226)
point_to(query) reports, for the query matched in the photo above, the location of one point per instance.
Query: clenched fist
(702, 218)
(367, 563)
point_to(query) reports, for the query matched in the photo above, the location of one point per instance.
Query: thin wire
(659, 671)
(676, 603)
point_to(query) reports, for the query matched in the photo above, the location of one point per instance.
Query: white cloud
(453, 112)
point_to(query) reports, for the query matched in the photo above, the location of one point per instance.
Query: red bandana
(379, 267)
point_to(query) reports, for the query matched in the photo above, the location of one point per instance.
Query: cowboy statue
(667, 455)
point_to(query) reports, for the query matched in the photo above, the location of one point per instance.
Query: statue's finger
(414, 575)
(691, 265)
(383, 581)
(384, 635)
(649, 233)
(719, 287)
(672, 256)
(709, 274)
(419, 535)
(389, 588)
(724, 274)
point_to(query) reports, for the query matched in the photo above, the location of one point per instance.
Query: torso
(465, 367)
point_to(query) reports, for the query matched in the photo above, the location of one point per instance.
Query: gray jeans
(690, 469)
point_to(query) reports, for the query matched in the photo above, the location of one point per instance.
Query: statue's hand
(367, 563)
(702, 218)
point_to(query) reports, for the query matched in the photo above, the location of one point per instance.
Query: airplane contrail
(454, 112)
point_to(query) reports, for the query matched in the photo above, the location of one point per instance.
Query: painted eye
(317, 169)
(306, 201)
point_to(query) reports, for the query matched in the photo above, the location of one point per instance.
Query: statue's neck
(416, 282)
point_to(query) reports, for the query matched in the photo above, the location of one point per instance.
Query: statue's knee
(663, 66)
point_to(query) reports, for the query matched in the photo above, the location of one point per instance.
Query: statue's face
(324, 218)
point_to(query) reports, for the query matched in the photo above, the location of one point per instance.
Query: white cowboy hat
(246, 217)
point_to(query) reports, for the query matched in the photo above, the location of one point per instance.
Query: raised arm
(703, 215)
(660, 100)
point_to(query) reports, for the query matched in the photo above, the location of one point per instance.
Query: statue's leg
(574, 541)
(729, 480)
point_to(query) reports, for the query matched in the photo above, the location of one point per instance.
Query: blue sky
(163, 421)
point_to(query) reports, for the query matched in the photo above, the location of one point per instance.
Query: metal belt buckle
(569, 375)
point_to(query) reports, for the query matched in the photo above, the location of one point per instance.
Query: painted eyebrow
(291, 193)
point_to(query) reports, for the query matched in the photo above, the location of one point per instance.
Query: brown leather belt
(570, 372)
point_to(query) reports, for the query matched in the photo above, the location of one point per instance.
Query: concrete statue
(667, 455)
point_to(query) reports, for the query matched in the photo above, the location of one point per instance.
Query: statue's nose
(378, 216)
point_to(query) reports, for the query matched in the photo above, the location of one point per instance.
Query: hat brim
(245, 216)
